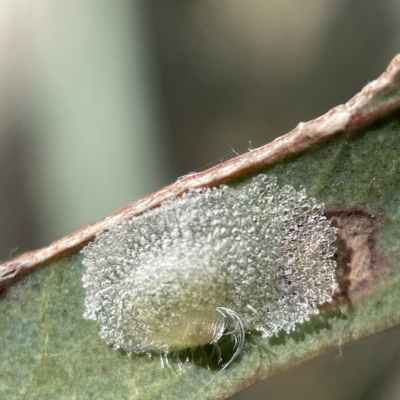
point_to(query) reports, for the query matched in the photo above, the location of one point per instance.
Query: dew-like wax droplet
(178, 275)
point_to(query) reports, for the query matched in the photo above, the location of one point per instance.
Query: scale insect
(212, 263)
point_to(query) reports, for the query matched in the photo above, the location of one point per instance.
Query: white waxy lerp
(257, 256)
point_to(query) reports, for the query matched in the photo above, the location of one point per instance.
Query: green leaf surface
(50, 351)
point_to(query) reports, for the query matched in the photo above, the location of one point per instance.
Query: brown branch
(377, 99)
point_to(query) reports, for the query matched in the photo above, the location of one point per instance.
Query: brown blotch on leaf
(360, 264)
(3, 291)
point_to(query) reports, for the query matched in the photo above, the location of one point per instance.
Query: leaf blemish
(3, 291)
(360, 262)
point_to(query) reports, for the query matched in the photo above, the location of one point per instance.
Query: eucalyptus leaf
(50, 351)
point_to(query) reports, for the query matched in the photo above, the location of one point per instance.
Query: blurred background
(103, 102)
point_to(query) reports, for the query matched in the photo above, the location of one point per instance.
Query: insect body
(226, 259)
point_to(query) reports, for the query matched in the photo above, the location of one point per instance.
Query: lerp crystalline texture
(155, 282)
